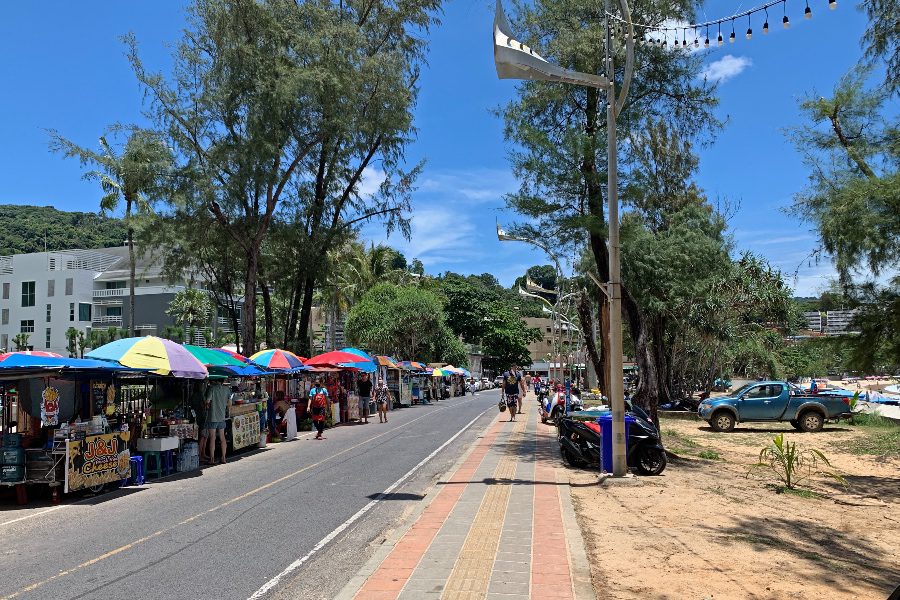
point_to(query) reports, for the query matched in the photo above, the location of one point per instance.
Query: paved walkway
(499, 527)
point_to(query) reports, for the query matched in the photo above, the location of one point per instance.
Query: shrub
(792, 465)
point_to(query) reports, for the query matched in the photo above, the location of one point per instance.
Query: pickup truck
(774, 401)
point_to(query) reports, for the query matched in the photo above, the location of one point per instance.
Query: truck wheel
(811, 421)
(795, 424)
(722, 421)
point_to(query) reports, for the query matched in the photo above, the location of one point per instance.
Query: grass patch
(709, 455)
(774, 543)
(679, 439)
(873, 419)
(879, 444)
(799, 492)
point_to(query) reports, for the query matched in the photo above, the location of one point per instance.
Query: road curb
(582, 583)
(349, 591)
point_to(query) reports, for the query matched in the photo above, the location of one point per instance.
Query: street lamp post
(515, 60)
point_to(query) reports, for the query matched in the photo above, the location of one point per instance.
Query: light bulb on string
(766, 24)
(706, 43)
(832, 4)
(807, 12)
(731, 37)
(719, 41)
(785, 21)
(749, 29)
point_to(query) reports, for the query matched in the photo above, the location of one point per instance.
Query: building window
(84, 311)
(51, 288)
(70, 284)
(4, 319)
(27, 293)
(114, 311)
(4, 342)
(49, 311)
(47, 339)
(115, 285)
(6, 291)
(71, 311)
(26, 326)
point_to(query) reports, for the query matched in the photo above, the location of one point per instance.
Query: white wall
(34, 267)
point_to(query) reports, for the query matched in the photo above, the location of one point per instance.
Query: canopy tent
(150, 353)
(276, 359)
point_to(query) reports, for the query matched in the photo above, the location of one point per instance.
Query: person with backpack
(512, 383)
(316, 407)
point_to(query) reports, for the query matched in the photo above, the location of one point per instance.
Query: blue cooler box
(605, 422)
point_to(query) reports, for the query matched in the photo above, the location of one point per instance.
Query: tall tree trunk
(131, 267)
(305, 313)
(267, 310)
(585, 320)
(248, 325)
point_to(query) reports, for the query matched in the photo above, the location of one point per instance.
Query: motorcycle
(580, 444)
(553, 404)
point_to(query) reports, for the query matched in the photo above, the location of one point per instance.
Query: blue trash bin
(605, 422)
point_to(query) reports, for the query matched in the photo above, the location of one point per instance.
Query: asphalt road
(229, 531)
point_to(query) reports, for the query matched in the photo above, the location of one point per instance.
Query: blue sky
(64, 69)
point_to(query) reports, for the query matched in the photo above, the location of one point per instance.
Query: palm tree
(129, 176)
(191, 309)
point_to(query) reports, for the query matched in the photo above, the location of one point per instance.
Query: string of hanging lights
(660, 35)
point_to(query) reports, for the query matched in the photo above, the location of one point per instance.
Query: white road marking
(343, 526)
(37, 514)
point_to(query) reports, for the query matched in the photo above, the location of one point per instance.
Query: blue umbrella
(366, 364)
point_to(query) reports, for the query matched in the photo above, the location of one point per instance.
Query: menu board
(97, 459)
(245, 430)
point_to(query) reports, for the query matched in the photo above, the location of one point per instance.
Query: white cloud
(476, 186)
(725, 68)
(370, 181)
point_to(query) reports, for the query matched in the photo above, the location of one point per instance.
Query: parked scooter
(580, 445)
(553, 406)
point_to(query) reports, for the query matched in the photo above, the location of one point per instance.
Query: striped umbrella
(158, 355)
(42, 353)
(275, 359)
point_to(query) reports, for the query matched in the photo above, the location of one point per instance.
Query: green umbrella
(213, 358)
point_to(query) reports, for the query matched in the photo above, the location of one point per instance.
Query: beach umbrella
(275, 359)
(21, 360)
(335, 358)
(43, 353)
(154, 354)
(364, 362)
(233, 354)
(225, 363)
(439, 373)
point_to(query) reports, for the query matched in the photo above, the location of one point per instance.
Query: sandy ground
(705, 530)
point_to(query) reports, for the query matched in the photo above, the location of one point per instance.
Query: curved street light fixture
(514, 60)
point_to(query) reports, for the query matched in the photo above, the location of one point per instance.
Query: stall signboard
(97, 459)
(50, 406)
(245, 430)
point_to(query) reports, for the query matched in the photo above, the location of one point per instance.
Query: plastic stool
(152, 468)
(168, 466)
(137, 472)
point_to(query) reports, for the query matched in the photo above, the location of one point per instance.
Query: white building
(838, 322)
(45, 293)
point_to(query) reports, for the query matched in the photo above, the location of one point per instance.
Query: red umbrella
(333, 358)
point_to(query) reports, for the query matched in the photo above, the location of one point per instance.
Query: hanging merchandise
(50, 407)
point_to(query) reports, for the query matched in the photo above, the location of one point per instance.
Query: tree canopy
(25, 229)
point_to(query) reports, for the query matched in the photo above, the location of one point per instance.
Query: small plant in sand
(793, 465)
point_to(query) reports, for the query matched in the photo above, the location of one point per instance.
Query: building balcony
(107, 320)
(145, 327)
(109, 301)
(110, 293)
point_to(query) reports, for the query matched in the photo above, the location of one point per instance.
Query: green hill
(25, 228)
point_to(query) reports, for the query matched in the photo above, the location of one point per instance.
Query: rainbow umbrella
(336, 358)
(275, 359)
(223, 363)
(158, 355)
(233, 354)
(439, 373)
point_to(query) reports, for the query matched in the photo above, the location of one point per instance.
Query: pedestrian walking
(382, 397)
(216, 403)
(364, 389)
(316, 406)
(512, 384)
